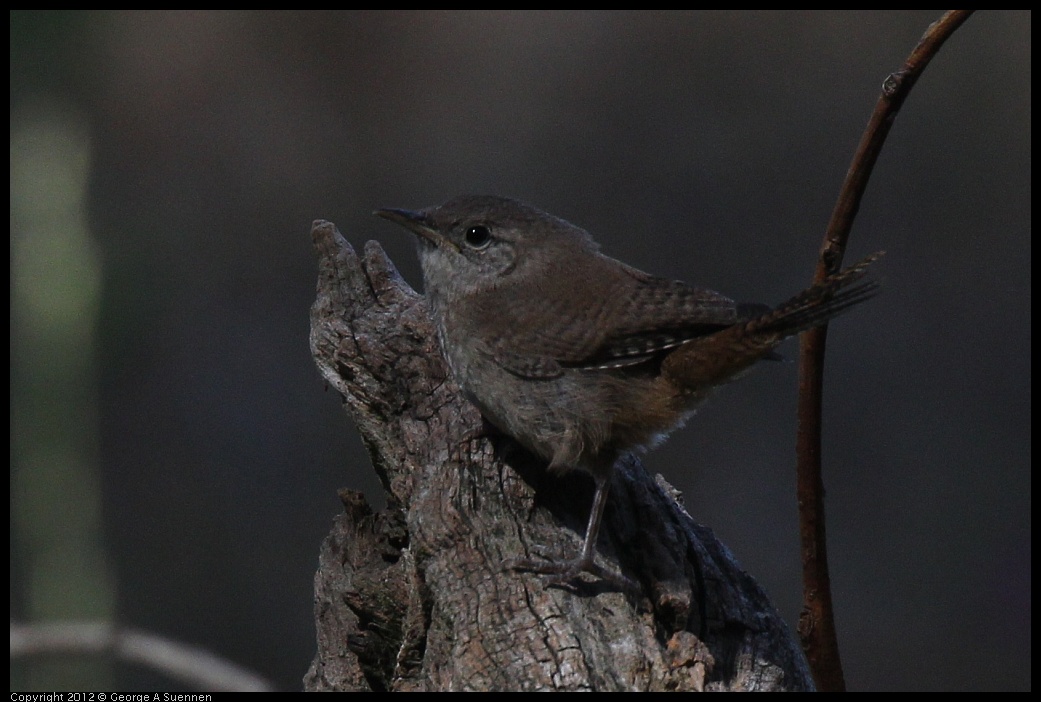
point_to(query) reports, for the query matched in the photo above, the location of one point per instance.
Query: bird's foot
(568, 573)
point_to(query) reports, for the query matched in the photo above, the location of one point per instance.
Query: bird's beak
(417, 223)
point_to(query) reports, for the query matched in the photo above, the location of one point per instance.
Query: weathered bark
(416, 597)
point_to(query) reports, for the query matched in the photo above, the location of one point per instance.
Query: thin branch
(817, 622)
(180, 661)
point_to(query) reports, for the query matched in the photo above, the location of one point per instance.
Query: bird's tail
(818, 303)
(716, 358)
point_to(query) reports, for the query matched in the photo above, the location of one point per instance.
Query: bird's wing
(623, 317)
(660, 314)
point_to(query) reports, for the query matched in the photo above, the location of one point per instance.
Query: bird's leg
(569, 570)
(587, 560)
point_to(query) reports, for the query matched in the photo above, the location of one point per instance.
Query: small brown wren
(579, 357)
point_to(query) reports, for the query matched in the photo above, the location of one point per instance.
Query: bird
(581, 358)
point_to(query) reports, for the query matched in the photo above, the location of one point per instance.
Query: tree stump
(416, 597)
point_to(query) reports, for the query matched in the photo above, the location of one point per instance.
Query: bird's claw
(570, 572)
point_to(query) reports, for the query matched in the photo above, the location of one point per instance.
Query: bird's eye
(478, 236)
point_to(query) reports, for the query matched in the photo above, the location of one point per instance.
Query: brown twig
(817, 622)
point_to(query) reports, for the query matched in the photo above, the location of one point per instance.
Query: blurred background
(175, 456)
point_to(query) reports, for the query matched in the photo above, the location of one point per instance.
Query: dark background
(703, 146)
